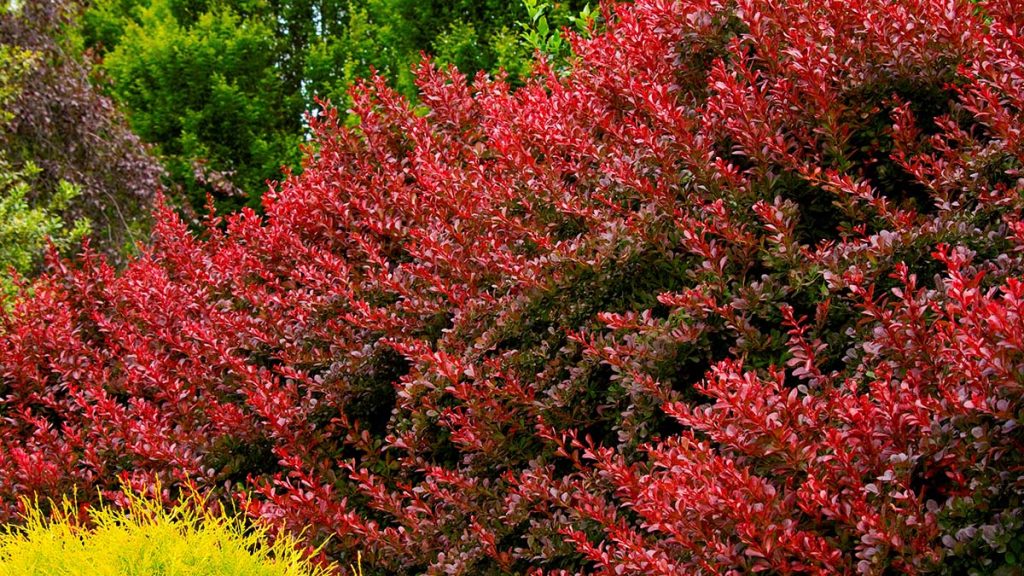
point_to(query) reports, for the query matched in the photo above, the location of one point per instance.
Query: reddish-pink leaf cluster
(741, 291)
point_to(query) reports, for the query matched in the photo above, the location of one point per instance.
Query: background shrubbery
(737, 289)
(27, 227)
(57, 125)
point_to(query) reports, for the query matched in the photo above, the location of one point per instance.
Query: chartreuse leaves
(145, 538)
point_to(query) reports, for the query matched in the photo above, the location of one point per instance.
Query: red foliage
(741, 292)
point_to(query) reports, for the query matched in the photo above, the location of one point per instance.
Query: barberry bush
(739, 291)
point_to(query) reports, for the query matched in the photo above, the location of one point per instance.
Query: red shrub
(740, 292)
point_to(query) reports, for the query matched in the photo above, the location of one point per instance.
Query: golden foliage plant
(146, 539)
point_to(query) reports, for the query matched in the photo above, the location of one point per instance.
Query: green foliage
(26, 227)
(373, 37)
(492, 34)
(206, 91)
(541, 31)
(459, 44)
(537, 32)
(13, 64)
(511, 54)
(146, 539)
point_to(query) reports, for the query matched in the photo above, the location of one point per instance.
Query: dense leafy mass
(741, 291)
(26, 227)
(146, 537)
(59, 127)
(221, 86)
(202, 84)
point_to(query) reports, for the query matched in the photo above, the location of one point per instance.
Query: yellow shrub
(145, 539)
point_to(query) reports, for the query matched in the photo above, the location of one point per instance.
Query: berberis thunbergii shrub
(741, 291)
